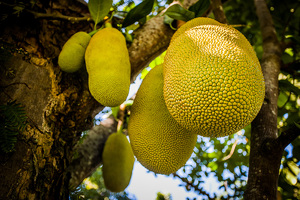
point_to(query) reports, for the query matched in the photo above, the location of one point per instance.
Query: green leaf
(288, 86)
(289, 176)
(282, 99)
(138, 12)
(99, 9)
(200, 7)
(293, 167)
(213, 166)
(168, 20)
(12, 121)
(179, 13)
(297, 125)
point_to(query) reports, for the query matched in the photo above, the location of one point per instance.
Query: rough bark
(264, 165)
(58, 105)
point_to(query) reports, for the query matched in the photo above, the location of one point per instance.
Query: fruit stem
(93, 32)
(121, 118)
(107, 24)
(179, 23)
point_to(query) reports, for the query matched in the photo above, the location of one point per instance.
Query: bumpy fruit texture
(108, 66)
(213, 83)
(71, 57)
(159, 143)
(118, 161)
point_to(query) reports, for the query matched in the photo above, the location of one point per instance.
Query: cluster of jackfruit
(106, 58)
(210, 84)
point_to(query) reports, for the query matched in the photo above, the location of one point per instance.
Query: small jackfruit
(71, 57)
(213, 83)
(159, 143)
(108, 66)
(118, 161)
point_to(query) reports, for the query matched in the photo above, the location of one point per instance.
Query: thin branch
(59, 16)
(52, 16)
(195, 187)
(290, 17)
(16, 83)
(231, 151)
(218, 11)
(288, 136)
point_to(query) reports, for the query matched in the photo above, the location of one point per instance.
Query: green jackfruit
(159, 143)
(71, 57)
(213, 82)
(118, 161)
(108, 66)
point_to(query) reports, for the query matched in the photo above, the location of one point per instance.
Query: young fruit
(159, 143)
(108, 66)
(71, 57)
(118, 161)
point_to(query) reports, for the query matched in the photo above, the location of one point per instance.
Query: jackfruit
(108, 66)
(71, 57)
(118, 161)
(213, 83)
(159, 143)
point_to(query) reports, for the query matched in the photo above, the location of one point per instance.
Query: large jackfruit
(71, 57)
(118, 161)
(108, 66)
(159, 143)
(213, 83)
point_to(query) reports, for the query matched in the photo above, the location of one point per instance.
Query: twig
(218, 11)
(52, 15)
(231, 151)
(195, 187)
(16, 83)
(121, 116)
(59, 16)
(288, 136)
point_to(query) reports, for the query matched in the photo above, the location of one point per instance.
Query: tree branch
(88, 154)
(189, 184)
(218, 11)
(286, 137)
(231, 151)
(150, 41)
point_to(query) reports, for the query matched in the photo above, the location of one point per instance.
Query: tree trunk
(264, 157)
(58, 105)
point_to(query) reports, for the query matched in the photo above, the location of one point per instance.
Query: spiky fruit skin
(108, 66)
(71, 57)
(118, 161)
(159, 143)
(213, 83)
